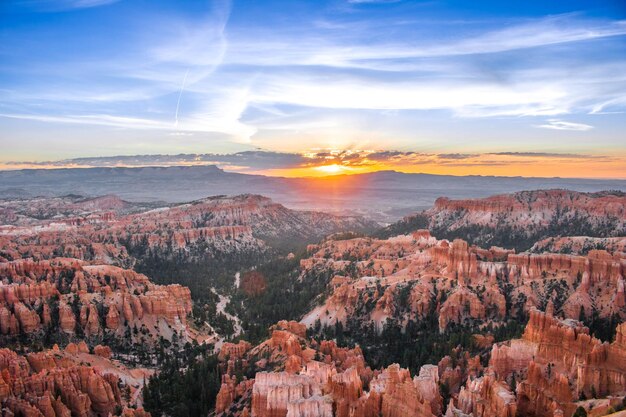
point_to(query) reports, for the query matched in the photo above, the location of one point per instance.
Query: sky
(309, 88)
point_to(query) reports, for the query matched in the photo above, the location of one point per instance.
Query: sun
(331, 169)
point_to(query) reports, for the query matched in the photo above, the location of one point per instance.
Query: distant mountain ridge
(384, 196)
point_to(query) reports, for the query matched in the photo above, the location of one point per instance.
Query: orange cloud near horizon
(327, 163)
(504, 164)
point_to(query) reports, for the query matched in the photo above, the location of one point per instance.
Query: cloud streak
(61, 5)
(180, 94)
(94, 119)
(562, 125)
(548, 155)
(258, 161)
(311, 50)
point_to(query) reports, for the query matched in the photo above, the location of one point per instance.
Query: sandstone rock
(27, 385)
(292, 327)
(544, 396)
(461, 304)
(486, 397)
(71, 349)
(46, 319)
(67, 320)
(272, 392)
(474, 280)
(555, 362)
(28, 319)
(112, 318)
(226, 394)
(234, 351)
(92, 326)
(82, 347)
(89, 298)
(399, 395)
(529, 210)
(315, 406)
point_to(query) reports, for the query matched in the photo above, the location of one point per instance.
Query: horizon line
(312, 177)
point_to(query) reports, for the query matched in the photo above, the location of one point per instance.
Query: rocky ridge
(408, 277)
(579, 245)
(222, 224)
(71, 297)
(520, 219)
(33, 211)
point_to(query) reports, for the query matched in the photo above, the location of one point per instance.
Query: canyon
(99, 295)
(194, 244)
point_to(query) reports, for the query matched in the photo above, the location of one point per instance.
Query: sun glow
(329, 163)
(332, 169)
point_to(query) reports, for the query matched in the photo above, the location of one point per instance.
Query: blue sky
(84, 78)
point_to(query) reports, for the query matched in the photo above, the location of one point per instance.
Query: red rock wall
(129, 298)
(54, 383)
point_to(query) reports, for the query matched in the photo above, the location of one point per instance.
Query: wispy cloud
(372, 1)
(533, 33)
(246, 161)
(548, 155)
(606, 106)
(455, 155)
(562, 125)
(81, 4)
(95, 119)
(543, 32)
(60, 5)
(180, 94)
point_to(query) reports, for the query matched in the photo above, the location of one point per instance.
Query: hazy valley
(385, 196)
